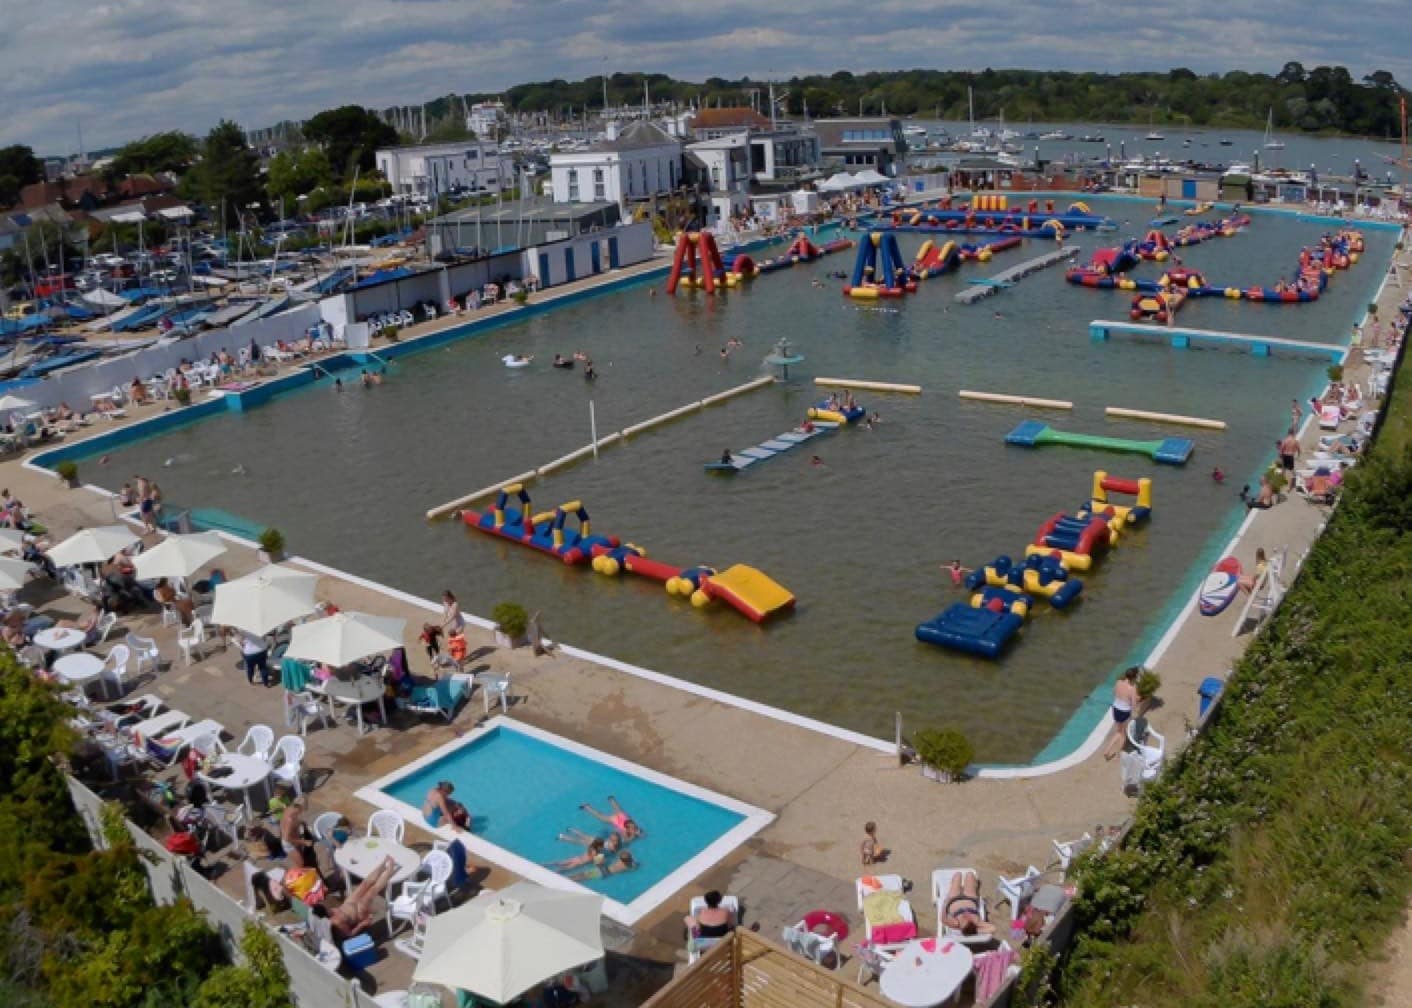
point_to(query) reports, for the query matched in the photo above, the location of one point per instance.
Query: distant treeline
(1322, 99)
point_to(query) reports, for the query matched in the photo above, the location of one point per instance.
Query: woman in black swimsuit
(713, 921)
(963, 905)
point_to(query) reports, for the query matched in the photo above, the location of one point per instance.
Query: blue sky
(126, 68)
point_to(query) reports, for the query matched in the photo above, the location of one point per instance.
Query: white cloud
(126, 68)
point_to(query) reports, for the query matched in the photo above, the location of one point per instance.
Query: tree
(18, 168)
(172, 151)
(1292, 73)
(262, 982)
(297, 173)
(350, 137)
(228, 174)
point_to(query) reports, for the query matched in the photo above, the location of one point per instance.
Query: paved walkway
(821, 788)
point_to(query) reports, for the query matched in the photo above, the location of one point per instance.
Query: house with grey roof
(634, 162)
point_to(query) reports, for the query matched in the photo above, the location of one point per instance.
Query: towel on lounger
(883, 912)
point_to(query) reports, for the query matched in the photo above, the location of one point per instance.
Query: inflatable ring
(816, 919)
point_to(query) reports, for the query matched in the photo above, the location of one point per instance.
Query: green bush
(392, 333)
(182, 396)
(520, 296)
(1335, 372)
(1268, 864)
(67, 471)
(272, 541)
(944, 749)
(511, 619)
(1148, 683)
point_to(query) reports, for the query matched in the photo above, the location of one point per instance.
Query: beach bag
(183, 844)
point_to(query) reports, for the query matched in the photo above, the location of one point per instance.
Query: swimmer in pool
(594, 872)
(440, 808)
(619, 820)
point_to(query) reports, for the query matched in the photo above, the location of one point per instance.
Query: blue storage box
(359, 953)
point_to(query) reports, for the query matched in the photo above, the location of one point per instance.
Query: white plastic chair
(288, 762)
(1019, 890)
(115, 667)
(816, 948)
(145, 650)
(170, 617)
(191, 639)
(303, 707)
(387, 825)
(258, 741)
(323, 827)
(495, 687)
(438, 867)
(1068, 850)
(1151, 746)
(99, 633)
(941, 887)
(871, 962)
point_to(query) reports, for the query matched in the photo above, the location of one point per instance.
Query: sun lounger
(442, 697)
(941, 886)
(162, 724)
(169, 747)
(1330, 416)
(888, 921)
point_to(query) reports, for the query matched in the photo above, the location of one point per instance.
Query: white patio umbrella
(14, 574)
(93, 545)
(501, 944)
(344, 637)
(14, 404)
(179, 556)
(11, 540)
(259, 602)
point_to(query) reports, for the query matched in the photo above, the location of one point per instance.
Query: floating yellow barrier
(1015, 400)
(871, 386)
(1123, 413)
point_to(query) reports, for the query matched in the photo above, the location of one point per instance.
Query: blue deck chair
(443, 696)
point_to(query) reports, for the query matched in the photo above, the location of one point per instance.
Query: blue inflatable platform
(964, 627)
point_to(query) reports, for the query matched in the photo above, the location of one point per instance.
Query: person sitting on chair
(712, 922)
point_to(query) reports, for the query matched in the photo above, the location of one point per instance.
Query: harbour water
(347, 475)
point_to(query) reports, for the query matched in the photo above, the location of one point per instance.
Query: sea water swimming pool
(346, 476)
(524, 786)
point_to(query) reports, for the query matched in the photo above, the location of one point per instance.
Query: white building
(485, 119)
(438, 168)
(722, 167)
(633, 162)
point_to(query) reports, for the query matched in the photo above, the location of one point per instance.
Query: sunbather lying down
(962, 909)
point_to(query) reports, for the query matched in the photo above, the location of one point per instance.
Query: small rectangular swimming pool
(524, 786)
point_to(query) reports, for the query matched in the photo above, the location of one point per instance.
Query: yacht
(914, 133)
(1154, 135)
(1091, 138)
(1057, 135)
(1271, 143)
(1224, 142)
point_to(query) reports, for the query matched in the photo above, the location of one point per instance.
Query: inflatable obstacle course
(803, 250)
(1035, 434)
(879, 271)
(743, 588)
(1005, 590)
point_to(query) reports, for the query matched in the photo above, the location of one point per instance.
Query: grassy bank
(1270, 864)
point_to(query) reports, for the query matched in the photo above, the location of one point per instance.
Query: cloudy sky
(120, 69)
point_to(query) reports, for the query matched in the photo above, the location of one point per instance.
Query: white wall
(78, 385)
(636, 244)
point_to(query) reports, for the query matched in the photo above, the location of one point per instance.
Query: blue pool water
(522, 792)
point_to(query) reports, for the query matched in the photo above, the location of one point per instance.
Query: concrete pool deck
(821, 785)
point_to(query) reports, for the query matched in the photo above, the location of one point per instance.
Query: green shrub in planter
(1373, 309)
(1335, 372)
(68, 472)
(182, 396)
(511, 619)
(944, 749)
(520, 296)
(272, 541)
(1148, 683)
(391, 333)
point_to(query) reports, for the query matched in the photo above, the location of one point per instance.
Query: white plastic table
(78, 669)
(361, 855)
(246, 773)
(60, 638)
(364, 689)
(919, 978)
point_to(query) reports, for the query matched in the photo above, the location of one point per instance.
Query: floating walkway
(1260, 346)
(778, 445)
(1007, 278)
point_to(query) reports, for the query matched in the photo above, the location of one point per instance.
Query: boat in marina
(1271, 141)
